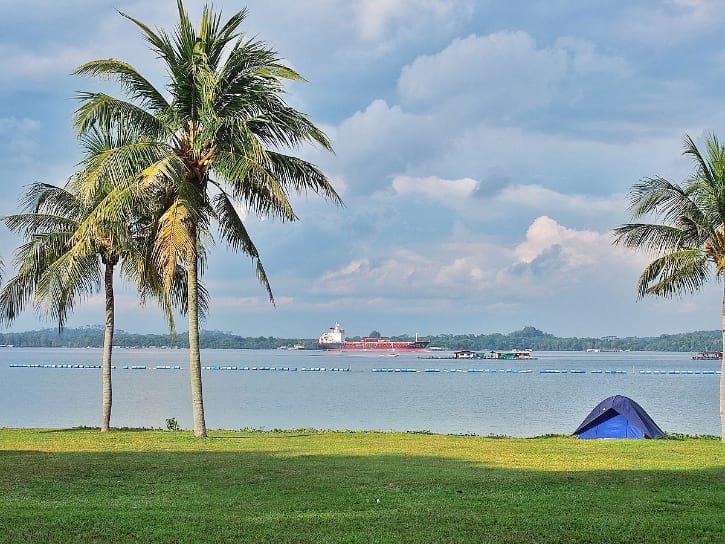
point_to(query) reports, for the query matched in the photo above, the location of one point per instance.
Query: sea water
(275, 389)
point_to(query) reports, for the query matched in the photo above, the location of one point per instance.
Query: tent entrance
(612, 424)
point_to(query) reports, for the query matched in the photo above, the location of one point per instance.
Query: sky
(483, 150)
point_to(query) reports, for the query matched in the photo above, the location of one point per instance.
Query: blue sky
(483, 150)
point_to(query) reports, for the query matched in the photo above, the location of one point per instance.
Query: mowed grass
(307, 486)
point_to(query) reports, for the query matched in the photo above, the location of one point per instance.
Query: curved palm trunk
(197, 398)
(722, 373)
(107, 348)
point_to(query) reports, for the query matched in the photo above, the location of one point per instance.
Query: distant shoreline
(526, 338)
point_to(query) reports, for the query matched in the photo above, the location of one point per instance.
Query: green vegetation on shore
(308, 486)
(528, 337)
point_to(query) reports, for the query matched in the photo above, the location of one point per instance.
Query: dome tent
(618, 417)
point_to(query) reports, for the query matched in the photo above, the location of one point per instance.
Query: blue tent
(618, 417)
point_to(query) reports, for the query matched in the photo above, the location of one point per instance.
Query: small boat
(707, 356)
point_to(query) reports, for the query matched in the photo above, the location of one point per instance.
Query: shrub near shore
(309, 486)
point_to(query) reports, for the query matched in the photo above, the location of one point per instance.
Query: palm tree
(217, 137)
(53, 281)
(55, 269)
(689, 239)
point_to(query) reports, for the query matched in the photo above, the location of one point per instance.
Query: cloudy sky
(483, 150)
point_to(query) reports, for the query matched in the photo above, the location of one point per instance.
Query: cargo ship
(334, 340)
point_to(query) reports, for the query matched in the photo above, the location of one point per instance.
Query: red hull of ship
(377, 345)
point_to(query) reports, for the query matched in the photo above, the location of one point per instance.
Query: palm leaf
(232, 230)
(137, 87)
(676, 273)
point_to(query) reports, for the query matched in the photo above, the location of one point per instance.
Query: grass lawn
(307, 486)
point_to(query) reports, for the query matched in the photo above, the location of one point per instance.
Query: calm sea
(443, 395)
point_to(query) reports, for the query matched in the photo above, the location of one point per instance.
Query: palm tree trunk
(107, 348)
(197, 398)
(722, 373)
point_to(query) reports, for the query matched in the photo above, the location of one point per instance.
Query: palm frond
(174, 242)
(676, 273)
(252, 182)
(658, 196)
(136, 86)
(652, 238)
(102, 109)
(32, 224)
(69, 278)
(235, 233)
(160, 41)
(301, 176)
(15, 295)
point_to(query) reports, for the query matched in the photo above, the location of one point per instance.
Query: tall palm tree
(688, 242)
(217, 137)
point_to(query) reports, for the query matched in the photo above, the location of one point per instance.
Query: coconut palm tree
(688, 241)
(218, 137)
(53, 281)
(55, 271)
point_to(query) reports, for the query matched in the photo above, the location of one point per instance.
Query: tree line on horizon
(527, 338)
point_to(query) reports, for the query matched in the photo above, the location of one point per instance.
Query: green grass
(307, 486)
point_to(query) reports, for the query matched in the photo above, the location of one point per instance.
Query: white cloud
(585, 58)
(478, 202)
(378, 19)
(551, 257)
(578, 247)
(536, 197)
(435, 188)
(672, 21)
(21, 66)
(498, 75)
(374, 143)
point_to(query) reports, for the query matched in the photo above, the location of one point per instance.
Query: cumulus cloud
(499, 74)
(478, 202)
(435, 188)
(377, 142)
(550, 257)
(464, 111)
(577, 248)
(378, 19)
(671, 21)
(536, 197)
(585, 58)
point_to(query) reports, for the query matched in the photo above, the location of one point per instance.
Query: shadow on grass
(260, 496)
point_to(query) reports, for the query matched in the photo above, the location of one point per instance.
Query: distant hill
(528, 337)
